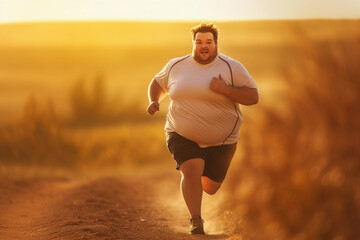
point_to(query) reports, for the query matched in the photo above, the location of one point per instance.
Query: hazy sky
(54, 10)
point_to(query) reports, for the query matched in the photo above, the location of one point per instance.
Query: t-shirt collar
(208, 64)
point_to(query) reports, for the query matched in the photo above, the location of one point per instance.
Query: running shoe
(197, 226)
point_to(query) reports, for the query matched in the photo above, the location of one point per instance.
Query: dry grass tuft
(37, 139)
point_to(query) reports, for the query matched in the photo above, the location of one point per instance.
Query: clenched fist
(153, 107)
(218, 85)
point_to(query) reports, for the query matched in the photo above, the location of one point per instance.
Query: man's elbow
(254, 98)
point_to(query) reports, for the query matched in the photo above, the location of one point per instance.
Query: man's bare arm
(243, 95)
(155, 95)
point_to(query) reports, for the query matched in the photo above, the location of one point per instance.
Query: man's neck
(204, 62)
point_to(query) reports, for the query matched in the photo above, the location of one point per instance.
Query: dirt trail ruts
(104, 208)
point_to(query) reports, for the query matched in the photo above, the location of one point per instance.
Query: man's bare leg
(191, 186)
(210, 186)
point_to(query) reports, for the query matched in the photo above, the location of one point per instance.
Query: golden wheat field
(73, 98)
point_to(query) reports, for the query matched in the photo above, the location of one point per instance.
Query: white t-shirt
(196, 112)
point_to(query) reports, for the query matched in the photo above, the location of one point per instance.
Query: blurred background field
(73, 98)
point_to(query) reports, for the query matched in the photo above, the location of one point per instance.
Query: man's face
(204, 47)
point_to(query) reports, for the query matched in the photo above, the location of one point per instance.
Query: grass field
(48, 59)
(73, 97)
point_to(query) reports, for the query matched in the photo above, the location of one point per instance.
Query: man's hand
(153, 107)
(243, 95)
(218, 85)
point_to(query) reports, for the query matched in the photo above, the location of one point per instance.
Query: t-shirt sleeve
(242, 78)
(162, 77)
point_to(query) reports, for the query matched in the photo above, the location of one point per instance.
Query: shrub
(298, 177)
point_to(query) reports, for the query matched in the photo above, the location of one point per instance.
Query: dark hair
(205, 27)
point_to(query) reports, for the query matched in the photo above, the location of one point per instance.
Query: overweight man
(204, 117)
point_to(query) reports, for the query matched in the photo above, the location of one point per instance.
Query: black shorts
(217, 158)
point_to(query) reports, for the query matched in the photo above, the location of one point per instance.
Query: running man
(204, 117)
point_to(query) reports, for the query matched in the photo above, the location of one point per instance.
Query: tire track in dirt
(105, 208)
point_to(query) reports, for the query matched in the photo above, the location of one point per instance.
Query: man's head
(205, 36)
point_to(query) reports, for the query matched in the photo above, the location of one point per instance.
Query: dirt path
(104, 208)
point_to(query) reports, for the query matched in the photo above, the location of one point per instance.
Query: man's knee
(210, 190)
(210, 186)
(192, 168)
